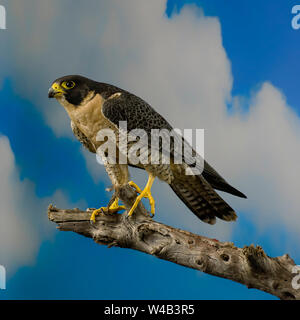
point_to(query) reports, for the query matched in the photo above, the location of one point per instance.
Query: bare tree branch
(249, 265)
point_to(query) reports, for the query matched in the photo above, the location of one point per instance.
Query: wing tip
(242, 195)
(234, 192)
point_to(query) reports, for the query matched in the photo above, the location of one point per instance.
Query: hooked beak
(55, 91)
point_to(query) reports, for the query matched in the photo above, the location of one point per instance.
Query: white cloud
(180, 67)
(17, 237)
(266, 146)
(23, 219)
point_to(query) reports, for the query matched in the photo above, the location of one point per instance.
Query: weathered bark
(249, 265)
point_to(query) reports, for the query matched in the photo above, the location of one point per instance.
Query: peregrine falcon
(93, 106)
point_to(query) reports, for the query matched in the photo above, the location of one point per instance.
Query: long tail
(202, 199)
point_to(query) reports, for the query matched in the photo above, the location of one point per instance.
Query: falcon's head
(74, 89)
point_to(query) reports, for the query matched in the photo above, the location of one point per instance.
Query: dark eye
(68, 84)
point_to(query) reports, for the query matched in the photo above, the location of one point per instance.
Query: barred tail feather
(202, 200)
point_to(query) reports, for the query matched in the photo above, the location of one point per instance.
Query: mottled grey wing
(134, 110)
(140, 115)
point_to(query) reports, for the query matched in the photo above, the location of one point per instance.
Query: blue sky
(259, 45)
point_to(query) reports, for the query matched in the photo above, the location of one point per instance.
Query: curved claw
(152, 203)
(96, 213)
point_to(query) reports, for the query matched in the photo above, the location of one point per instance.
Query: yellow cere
(57, 88)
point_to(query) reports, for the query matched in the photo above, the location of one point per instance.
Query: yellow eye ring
(68, 84)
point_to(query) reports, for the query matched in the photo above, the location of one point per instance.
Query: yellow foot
(146, 193)
(114, 207)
